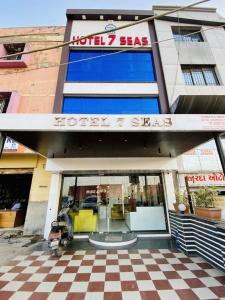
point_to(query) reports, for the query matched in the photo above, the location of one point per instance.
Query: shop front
(196, 181)
(14, 196)
(119, 169)
(16, 173)
(24, 188)
(116, 202)
(113, 195)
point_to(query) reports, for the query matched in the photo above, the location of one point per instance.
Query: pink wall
(32, 88)
(36, 83)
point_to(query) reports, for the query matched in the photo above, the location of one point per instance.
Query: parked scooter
(61, 230)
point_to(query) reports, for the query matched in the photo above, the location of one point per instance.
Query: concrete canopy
(61, 136)
(199, 104)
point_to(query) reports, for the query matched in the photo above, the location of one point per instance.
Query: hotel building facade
(127, 105)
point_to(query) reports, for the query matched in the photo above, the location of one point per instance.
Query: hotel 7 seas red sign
(134, 36)
(111, 40)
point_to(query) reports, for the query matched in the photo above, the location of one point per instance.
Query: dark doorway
(14, 193)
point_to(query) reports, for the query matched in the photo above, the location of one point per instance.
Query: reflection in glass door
(116, 203)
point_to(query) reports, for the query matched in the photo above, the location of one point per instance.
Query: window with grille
(13, 49)
(200, 75)
(187, 34)
(3, 105)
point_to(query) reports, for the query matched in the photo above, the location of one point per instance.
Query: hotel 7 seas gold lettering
(110, 122)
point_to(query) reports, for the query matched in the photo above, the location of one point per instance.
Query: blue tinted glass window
(110, 106)
(120, 67)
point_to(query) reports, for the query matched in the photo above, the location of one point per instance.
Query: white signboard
(112, 123)
(10, 145)
(134, 36)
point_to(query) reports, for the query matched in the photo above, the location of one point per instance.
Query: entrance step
(110, 240)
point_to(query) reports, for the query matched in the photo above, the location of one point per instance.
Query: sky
(22, 13)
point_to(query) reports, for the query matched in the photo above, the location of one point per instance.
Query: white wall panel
(114, 164)
(107, 89)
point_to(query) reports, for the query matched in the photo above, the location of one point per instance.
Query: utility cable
(31, 34)
(107, 31)
(177, 60)
(108, 54)
(35, 35)
(28, 41)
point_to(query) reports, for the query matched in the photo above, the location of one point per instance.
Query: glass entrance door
(116, 203)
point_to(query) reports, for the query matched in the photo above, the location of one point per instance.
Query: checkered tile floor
(110, 275)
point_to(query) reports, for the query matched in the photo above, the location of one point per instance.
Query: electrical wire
(27, 35)
(31, 34)
(104, 55)
(107, 31)
(5, 39)
(178, 57)
(28, 41)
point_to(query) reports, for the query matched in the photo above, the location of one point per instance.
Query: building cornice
(108, 14)
(197, 9)
(131, 15)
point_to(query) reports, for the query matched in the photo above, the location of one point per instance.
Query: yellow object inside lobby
(85, 221)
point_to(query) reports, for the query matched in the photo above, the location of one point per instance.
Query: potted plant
(204, 203)
(181, 198)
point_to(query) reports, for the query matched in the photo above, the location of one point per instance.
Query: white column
(169, 189)
(53, 202)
